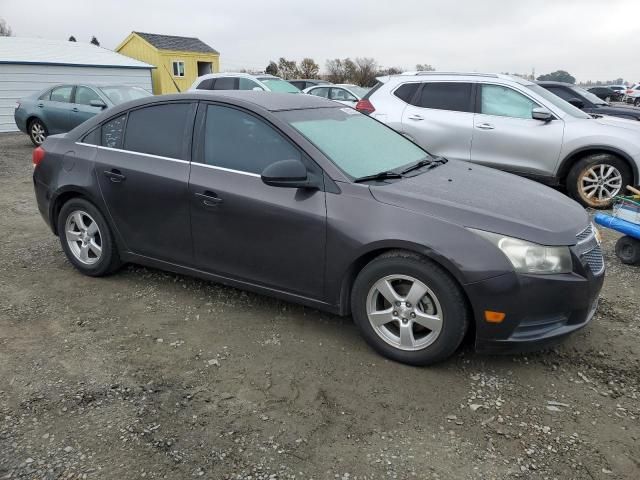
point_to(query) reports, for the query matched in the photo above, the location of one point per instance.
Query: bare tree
(425, 67)
(389, 71)
(272, 68)
(72, 38)
(309, 68)
(365, 72)
(287, 68)
(335, 71)
(5, 29)
(95, 41)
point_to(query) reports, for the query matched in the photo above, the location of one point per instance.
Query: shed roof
(172, 42)
(40, 51)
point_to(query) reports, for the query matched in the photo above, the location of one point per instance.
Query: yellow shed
(178, 60)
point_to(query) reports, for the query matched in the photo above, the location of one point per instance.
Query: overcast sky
(592, 39)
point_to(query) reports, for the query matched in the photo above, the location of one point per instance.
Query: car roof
(444, 76)
(237, 74)
(553, 83)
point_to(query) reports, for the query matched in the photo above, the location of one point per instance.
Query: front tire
(628, 250)
(37, 132)
(409, 309)
(86, 238)
(595, 180)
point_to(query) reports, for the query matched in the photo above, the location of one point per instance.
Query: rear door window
(206, 84)
(341, 94)
(61, 94)
(453, 96)
(247, 84)
(237, 140)
(226, 83)
(320, 92)
(159, 130)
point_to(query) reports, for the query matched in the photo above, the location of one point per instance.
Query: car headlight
(527, 257)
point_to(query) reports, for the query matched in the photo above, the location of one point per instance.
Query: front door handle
(74, 109)
(416, 117)
(41, 105)
(114, 175)
(209, 199)
(485, 126)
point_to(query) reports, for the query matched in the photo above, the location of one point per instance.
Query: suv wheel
(86, 238)
(628, 250)
(37, 132)
(595, 180)
(409, 309)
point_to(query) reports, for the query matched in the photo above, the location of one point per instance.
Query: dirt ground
(146, 374)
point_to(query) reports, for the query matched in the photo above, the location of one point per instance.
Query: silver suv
(514, 125)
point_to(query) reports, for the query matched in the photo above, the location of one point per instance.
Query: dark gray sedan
(301, 198)
(63, 107)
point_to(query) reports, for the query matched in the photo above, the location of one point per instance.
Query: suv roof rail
(471, 74)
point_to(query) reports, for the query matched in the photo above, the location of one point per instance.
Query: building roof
(40, 51)
(171, 42)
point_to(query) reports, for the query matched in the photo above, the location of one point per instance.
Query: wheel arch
(63, 196)
(578, 154)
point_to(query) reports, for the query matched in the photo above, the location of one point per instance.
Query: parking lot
(147, 374)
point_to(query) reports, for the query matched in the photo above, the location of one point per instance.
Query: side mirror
(257, 89)
(287, 173)
(98, 103)
(541, 114)
(576, 102)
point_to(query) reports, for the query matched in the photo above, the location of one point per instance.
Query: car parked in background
(347, 94)
(297, 197)
(589, 102)
(620, 89)
(633, 94)
(63, 107)
(303, 83)
(243, 81)
(607, 94)
(514, 125)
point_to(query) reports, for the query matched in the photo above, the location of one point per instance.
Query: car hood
(612, 121)
(615, 109)
(486, 199)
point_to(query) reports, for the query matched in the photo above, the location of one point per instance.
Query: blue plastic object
(619, 225)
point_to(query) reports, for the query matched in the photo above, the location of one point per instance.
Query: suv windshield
(552, 98)
(122, 94)
(279, 85)
(357, 144)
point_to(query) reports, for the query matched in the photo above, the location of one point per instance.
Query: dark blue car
(61, 108)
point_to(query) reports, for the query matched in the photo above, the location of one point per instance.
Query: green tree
(272, 68)
(558, 76)
(309, 68)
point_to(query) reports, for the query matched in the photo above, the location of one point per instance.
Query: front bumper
(540, 309)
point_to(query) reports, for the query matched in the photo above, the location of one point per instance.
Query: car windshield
(122, 94)
(357, 144)
(589, 96)
(279, 85)
(552, 98)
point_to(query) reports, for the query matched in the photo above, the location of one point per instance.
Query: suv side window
(320, 92)
(226, 83)
(61, 94)
(239, 141)
(453, 96)
(407, 91)
(505, 102)
(247, 84)
(158, 130)
(113, 131)
(206, 84)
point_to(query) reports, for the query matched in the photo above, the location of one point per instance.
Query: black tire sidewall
(624, 242)
(596, 159)
(109, 260)
(46, 131)
(454, 309)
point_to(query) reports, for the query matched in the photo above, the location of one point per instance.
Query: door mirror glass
(98, 103)
(542, 114)
(286, 173)
(576, 102)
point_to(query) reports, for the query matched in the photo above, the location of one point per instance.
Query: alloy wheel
(404, 312)
(83, 237)
(600, 183)
(38, 133)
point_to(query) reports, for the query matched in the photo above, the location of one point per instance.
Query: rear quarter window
(407, 91)
(112, 132)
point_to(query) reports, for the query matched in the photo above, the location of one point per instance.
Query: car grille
(588, 250)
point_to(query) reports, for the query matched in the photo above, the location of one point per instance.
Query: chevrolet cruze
(301, 198)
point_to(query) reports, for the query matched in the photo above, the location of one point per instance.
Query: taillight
(365, 106)
(37, 156)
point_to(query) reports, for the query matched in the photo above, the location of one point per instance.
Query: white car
(621, 89)
(242, 81)
(633, 94)
(514, 125)
(344, 93)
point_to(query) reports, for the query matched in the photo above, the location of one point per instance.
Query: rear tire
(37, 132)
(86, 238)
(628, 250)
(596, 179)
(427, 317)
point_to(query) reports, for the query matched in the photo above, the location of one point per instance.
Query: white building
(29, 65)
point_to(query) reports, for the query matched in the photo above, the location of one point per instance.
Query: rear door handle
(416, 117)
(74, 109)
(41, 105)
(209, 199)
(485, 126)
(115, 175)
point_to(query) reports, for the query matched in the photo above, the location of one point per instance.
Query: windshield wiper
(425, 162)
(378, 176)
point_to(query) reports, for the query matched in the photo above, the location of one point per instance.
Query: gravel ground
(146, 374)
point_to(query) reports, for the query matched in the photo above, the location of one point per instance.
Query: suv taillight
(37, 156)
(365, 106)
